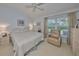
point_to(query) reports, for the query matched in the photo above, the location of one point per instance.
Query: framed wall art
(20, 22)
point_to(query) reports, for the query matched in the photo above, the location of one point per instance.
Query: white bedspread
(23, 41)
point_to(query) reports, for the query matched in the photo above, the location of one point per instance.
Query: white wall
(9, 15)
(77, 17)
(41, 20)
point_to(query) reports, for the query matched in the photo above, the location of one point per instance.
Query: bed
(24, 41)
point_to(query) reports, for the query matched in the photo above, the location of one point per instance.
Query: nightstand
(4, 38)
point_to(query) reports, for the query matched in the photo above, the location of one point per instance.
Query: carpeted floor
(6, 50)
(44, 49)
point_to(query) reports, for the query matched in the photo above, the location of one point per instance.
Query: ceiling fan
(35, 6)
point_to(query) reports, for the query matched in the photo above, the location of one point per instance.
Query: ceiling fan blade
(34, 9)
(35, 6)
(40, 4)
(40, 8)
(29, 6)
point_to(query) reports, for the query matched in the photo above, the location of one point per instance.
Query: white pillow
(18, 30)
(21, 29)
(26, 29)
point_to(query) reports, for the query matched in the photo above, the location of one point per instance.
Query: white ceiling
(49, 8)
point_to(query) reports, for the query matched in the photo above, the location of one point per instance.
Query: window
(61, 23)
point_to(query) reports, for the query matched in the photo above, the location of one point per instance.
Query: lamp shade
(30, 26)
(3, 27)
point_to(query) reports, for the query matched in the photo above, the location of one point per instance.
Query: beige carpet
(6, 50)
(44, 49)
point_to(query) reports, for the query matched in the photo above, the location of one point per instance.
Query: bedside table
(4, 38)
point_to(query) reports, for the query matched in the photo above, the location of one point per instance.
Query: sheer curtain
(45, 27)
(72, 19)
(60, 21)
(72, 22)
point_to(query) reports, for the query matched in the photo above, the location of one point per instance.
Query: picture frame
(20, 22)
(38, 23)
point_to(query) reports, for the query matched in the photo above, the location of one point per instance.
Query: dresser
(75, 41)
